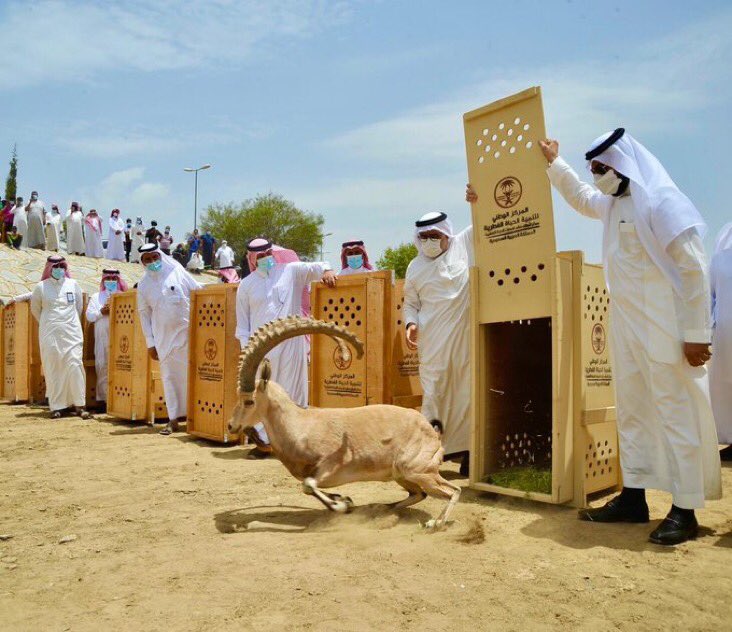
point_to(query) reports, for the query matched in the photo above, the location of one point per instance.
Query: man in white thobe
(138, 240)
(660, 330)
(437, 319)
(75, 230)
(94, 245)
(116, 237)
(225, 255)
(56, 303)
(720, 367)
(274, 290)
(36, 214)
(20, 221)
(97, 312)
(163, 300)
(53, 229)
(354, 258)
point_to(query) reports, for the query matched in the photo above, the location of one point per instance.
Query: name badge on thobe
(70, 298)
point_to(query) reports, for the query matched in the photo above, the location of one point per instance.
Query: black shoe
(465, 466)
(676, 528)
(725, 454)
(617, 510)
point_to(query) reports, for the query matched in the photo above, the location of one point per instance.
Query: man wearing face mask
(97, 312)
(36, 214)
(56, 304)
(163, 301)
(660, 330)
(128, 239)
(166, 241)
(354, 258)
(225, 255)
(436, 313)
(274, 290)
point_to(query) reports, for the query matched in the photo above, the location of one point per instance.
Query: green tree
(270, 216)
(11, 184)
(397, 259)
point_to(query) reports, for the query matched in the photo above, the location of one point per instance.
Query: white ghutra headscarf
(435, 220)
(661, 211)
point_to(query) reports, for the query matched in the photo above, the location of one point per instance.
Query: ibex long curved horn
(270, 335)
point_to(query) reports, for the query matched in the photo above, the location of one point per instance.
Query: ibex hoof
(342, 504)
(308, 486)
(433, 525)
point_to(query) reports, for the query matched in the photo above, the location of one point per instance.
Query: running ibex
(328, 447)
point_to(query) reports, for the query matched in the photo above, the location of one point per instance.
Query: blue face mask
(110, 286)
(57, 273)
(355, 261)
(154, 266)
(265, 264)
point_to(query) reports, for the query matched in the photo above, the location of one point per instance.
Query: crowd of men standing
(32, 225)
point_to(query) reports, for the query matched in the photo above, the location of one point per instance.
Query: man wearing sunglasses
(656, 273)
(436, 314)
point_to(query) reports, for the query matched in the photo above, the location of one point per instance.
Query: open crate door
(513, 221)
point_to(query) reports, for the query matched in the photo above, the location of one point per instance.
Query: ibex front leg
(326, 473)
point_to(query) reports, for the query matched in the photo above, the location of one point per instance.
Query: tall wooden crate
(405, 386)
(130, 392)
(213, 362)
(362, 304)
(536, 407)
(8, 335)
(90, 368)
(25, 381)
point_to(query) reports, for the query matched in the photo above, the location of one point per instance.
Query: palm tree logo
(598, 338)
(508, 192)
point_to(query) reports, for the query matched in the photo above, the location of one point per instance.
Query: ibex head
(253, 392)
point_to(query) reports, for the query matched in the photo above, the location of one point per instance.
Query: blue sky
(350, 109)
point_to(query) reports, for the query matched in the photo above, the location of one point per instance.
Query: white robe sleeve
(79, 298)
(145, 311)
(243, 323)
(36, 303)
(189, 283)
(306, 273)
(466, 238)
(411, 302)
(93, 312)
(687, 251)
(582, 197)
(22, 298)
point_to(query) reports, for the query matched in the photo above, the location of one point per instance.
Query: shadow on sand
(295, 519)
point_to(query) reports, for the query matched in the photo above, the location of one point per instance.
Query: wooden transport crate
(23, 379)
(130, 386)
(370, 306)
(213, 362)
(542, 403)
(406, 389)
(89, 366)
(8, 350)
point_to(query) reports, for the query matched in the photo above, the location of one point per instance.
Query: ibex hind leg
(434, 485)
(416, 495)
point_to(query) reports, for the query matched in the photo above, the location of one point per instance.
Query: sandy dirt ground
(109, 526)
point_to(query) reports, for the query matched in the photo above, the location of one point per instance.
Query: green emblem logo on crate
(210, 349)
(341, 361)
(124, 345)
(598, 338)
(508, 192)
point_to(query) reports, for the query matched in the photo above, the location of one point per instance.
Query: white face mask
(608, 182)
(431, 248)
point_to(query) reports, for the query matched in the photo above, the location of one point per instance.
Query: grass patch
(526, 479)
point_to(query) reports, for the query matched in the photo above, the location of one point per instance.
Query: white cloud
(71, 40)
(127, 190)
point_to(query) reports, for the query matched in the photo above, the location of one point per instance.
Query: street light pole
(322, 239)
(195, 191)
